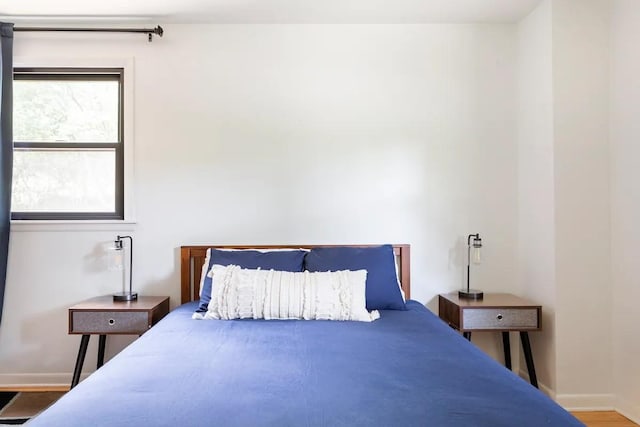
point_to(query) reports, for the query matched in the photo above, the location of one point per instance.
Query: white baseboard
(629, 409)
(586, 402)
(578, 402)
(546, 390)
(8, 381)
(542, 387)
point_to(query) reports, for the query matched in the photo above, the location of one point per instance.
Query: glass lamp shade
(115, 259)
(475, 251)
(476, 258)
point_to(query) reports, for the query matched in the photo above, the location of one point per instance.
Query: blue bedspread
(406, 369)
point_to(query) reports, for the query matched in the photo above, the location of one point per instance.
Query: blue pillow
(382, 292)
(285, 260)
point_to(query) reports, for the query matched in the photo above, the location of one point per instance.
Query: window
(68, 159)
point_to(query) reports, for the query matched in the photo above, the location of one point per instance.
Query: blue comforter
(407, 368)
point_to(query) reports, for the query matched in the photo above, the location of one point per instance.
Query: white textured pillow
(240, 293)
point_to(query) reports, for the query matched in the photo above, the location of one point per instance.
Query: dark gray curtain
(6, 148)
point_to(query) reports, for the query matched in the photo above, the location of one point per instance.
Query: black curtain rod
(150, 31)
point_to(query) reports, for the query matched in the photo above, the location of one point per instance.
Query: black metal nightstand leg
(82, 351)
(526, 346)
(506, 345)
(467, 335)
(101, 344)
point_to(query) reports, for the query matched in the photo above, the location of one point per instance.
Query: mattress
(406, 368)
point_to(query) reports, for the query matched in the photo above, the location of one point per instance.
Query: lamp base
(470, 294)
(125, 296)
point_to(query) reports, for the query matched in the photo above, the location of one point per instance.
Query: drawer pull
(111, 321)
(499, 317)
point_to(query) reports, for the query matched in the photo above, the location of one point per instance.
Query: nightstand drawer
(109, 322)
(500, 318)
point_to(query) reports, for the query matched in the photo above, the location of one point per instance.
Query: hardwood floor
(604, 419)
(36, 388)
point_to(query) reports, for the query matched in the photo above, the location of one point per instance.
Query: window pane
(63, 181)
(65, 111)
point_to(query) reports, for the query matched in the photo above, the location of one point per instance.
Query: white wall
(536, 207)
(286, 134)
(563, 187)
(625, 203)
(581, 180)
(584, 176)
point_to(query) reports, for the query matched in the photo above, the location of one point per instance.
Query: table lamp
(472, 246)
(119, 246)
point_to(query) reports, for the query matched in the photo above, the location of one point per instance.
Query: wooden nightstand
(103, 316)
(496, 312)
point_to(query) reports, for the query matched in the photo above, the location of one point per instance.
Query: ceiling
(268, 11)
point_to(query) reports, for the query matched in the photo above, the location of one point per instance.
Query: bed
(405, 368)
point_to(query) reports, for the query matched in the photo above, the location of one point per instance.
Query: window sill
(88, 225)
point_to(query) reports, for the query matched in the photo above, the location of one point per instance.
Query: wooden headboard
(192, 258)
